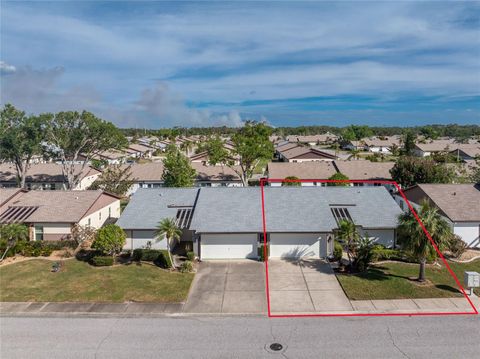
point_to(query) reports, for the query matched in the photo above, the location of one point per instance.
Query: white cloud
(6, 69)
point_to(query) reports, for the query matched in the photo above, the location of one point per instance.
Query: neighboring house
(304, 154)
(112, 157)
(445, 145)
(354, 145)
(366, 170)
(51, 215)
(203, 158)
(136, 150)
(312, 140)
(226, 223)
(466, 153)
(382, 144)
(301, 170)
(215, 176)
(46, 176)
(458, 203)
(354, 170)
(145, 175)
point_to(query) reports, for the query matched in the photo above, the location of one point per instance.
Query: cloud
(6, 69)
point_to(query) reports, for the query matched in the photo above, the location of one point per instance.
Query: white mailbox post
(472, 280)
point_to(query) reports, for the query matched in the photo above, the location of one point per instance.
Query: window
(39, 233)
(261, 238)
(341, 214)
(52, 186)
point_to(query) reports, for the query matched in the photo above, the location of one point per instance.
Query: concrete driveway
(305, 286)
(236, 287)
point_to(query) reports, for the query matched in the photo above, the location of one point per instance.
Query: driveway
(236, 287)
(305, 286)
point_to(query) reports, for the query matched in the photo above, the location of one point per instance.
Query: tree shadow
(447, 288)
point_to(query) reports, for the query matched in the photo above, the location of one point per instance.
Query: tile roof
(459, 202)
(58, 206)
(151, 171)
(313, 138)
(215, 173)
(42, 172)
(362, 169)
(386, 141)
(149, 205)
(302, 170)
(301, 151)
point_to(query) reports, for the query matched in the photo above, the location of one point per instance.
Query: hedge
(190, 256)
(101, 261)
(158, 256)
(261, 252)
(29, 249)
(164, 259)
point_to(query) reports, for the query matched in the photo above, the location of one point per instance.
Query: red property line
(263, 181)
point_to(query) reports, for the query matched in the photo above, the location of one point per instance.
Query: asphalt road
(247, 337)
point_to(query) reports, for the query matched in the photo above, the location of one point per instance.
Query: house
(150, 175)
(203, 158)
(382, 144)
(51, 215)
(216, 176)
(353, 145)
(312, 140)
(46, 176)
(112, 157)
(459, 204)
(466, 153)
(301, 170)
(366, 170)
(304, 154)
(226, 223)
(136, 150)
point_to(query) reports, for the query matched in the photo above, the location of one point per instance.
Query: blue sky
(162, 64)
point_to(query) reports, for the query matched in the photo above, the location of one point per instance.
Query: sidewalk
(399, 306)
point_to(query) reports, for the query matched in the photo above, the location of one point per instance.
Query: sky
(163, 64)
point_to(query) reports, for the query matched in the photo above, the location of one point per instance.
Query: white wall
(140, 238)
(292, 245)
(469, 232)
(385, 237)
(87, 182)
(98, 218)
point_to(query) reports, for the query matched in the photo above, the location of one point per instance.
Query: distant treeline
(349, 132)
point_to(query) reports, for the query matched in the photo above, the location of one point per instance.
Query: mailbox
(472, 279)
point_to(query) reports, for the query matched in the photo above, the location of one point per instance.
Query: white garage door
(294, 245)
(229, 246)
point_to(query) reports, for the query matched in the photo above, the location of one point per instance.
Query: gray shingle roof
(149, 205)
(288, 209)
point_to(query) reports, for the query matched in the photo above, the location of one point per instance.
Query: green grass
(391, 281)
(80, 282)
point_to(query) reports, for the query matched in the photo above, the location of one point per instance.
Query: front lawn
(391, 281)
(78, 281)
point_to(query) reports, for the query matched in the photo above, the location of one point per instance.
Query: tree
(178, 171)
(356, 133)
(408, 141)
(251, 144)
(412, 238)
(115, 179)
(109, 239)
(354, 154)
(20, 140)
(338, 177)
(348, 234)
(409, 171)
(167, 229)
(12, 233)
(291, 181)
(75, 137)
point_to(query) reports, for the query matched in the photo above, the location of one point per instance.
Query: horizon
(160, 65)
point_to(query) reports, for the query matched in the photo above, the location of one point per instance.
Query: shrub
(261, 252)
(186, 267)
(380, 253)
(190, 256)
(137, 254)
(150, 255)
(164, 260)
(337, 251)
(110, 239)
(101, 261)
(364, 254)
(46, 251)
(61, 244)
(456, 245)
(86, 255)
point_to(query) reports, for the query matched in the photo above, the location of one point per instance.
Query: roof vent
(76, 197)
(454, 193)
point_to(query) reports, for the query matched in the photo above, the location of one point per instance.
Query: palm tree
(354, 154)
(412, 238)
(13, 233)
(167, 229)
(347, 232)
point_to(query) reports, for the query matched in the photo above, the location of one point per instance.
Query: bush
(101, 261)
(61, 244)
(337, 251)
(186, 267)
(380, 253)
(147, 255)
(261, 252)
(86, 255)
(364, 254)
(164, 260)
(456, 245)
(110, 239)
(190, 256)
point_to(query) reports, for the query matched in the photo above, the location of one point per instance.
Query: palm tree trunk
(170, 253)
(421, 274)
